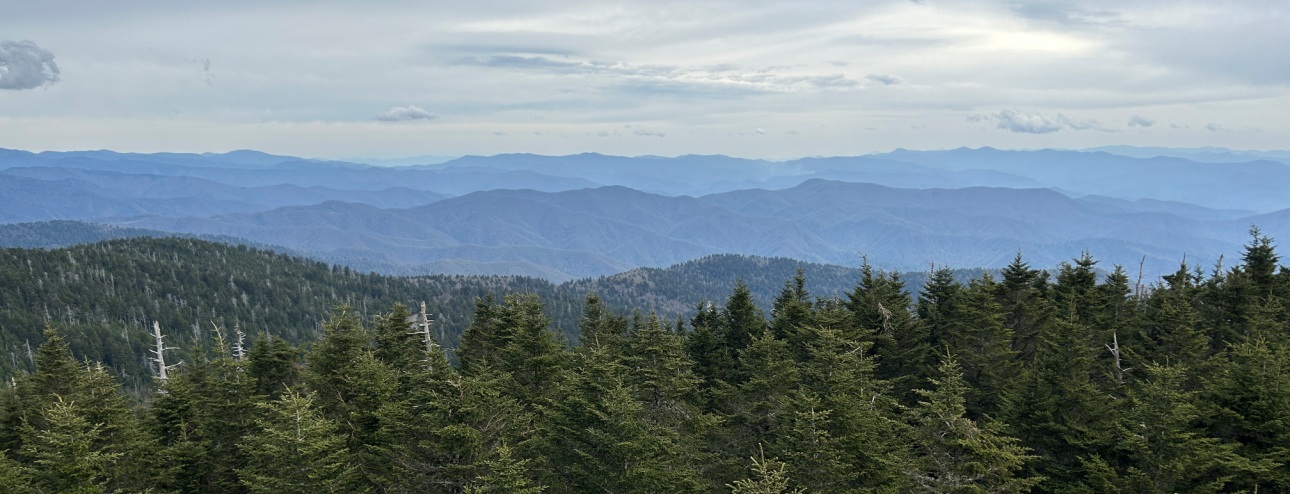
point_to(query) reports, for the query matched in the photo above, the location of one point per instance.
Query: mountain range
(568, 217)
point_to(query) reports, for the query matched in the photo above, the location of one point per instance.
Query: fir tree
(65, 453)
(956, 454)
(297, 451)
(1166, 451)
(1022, 298)
(768, 477)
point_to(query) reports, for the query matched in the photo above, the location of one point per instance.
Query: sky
(762, 79)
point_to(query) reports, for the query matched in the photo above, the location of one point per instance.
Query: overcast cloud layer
(751, 78)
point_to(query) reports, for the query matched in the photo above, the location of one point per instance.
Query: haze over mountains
(588, 215)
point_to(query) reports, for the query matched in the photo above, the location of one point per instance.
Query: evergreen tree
(880, 306)
(272, 365)
(1172, 330)
(842, 415)
(482, 342)
(14, 478)
(956, 454)
(297, 450)
(740, 323)
(599, 327)
(396, 343)
(759, 407)
(65, 453)
(199, 416)
(939, 310)
(984, 345)
(1022, 297)
(661, 374)
(1261, 263)
(711, 361)
(120, 445)
(1245, 401)
(533, 356)
(350, 385)
(792, 308)
(769, 477)
(1166, 451)
(505, 474)
(1057, 410)
(596, 437)
(447, 434)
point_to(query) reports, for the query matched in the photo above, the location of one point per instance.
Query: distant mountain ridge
(592, 232)
(567, 217)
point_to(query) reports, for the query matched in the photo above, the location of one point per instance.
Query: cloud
(23, 65)
(1140, 121)
(884, 79)
(404, 114)
(648, 133)
(1062, 13)
(1214, 127)
(204, 65)
(676, 78)
(1026, 122)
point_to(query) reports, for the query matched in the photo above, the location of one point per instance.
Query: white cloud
(404, 114)
(702, 71)
(23, 65)
(1026, 122)
(1140, 121)
(884, 79)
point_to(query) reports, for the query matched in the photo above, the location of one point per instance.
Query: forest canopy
(1020, 381)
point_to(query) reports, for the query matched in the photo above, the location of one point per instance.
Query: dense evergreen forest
(104, 296)
(1015, 382)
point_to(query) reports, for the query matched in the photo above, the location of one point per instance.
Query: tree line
(1016, 382)
(105, 296)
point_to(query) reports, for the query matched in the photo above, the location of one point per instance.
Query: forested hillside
(1012, 383)
(105, 296)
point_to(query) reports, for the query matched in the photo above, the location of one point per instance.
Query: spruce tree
(273, 365)
(1166, 451)
(880, 307)
(597, 437)
(533, 355)
(1022, 297)
(65, 453)
(1246, 396)
(297, 450)
(957, 454)
(769, 477)
(792, 308)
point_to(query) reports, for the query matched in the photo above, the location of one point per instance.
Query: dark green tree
(65, 453)
(297, 450)
(956, 454)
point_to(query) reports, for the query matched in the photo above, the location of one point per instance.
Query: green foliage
(768, 478)
(956, 454)
(296, 450)
(1082, 382)
(64, 453)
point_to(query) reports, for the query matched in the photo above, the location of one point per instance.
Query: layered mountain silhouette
(591, 232)
(566, 217)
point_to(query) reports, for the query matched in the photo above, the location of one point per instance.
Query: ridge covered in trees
(1016, 382)
(105, 296)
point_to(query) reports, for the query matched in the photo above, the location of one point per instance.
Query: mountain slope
(601, 231)
(105, 295)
